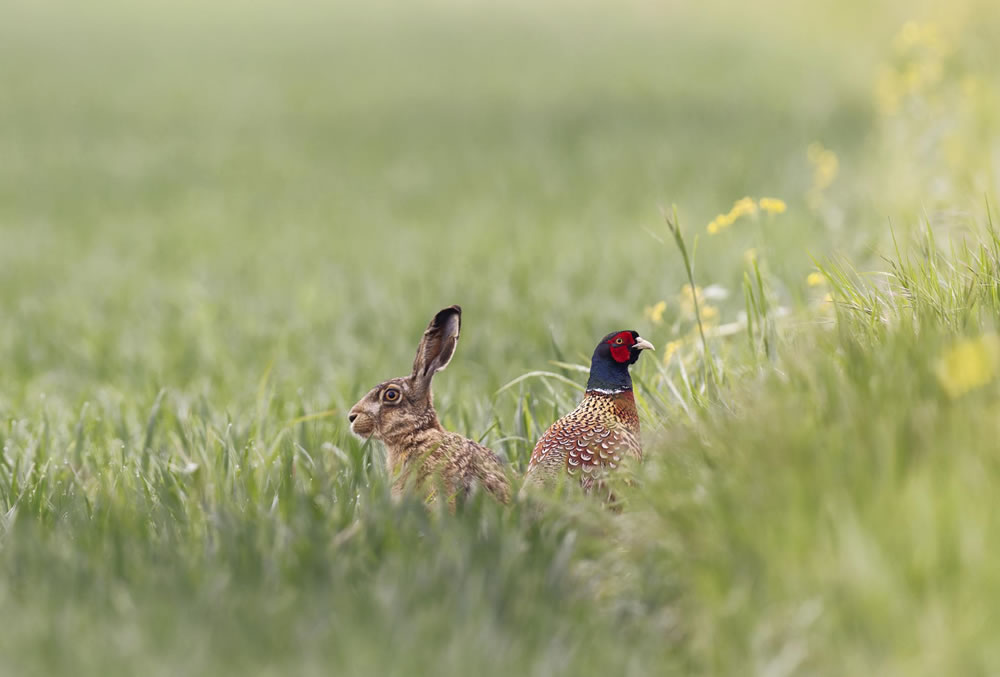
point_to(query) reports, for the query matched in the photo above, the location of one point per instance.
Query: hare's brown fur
(400, 413)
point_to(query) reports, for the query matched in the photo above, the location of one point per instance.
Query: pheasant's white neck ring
(608, 391)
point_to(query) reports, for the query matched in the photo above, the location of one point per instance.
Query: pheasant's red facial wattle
(621, 345)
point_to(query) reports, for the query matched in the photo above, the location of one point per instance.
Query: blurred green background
(306, 183)
(219, 218)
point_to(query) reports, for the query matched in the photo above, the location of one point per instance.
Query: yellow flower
(750, 256)
(672, 347)
(918, 68)
(654, 313)
(915, 35)
(773, 205)
(743, 207)
(968, 365)
(709, 314)
(815, 279)
(908, 36)
(719, 223)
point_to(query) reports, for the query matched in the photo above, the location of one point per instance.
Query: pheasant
(603, 429)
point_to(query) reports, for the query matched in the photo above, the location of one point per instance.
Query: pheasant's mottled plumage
(593, 438)
(604, 428)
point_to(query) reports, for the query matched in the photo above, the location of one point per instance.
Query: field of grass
(220, 225)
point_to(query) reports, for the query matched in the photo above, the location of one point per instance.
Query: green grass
(219, 226)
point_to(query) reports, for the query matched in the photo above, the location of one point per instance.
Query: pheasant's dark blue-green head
(611, 360)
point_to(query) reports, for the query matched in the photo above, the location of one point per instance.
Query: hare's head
(399, 406)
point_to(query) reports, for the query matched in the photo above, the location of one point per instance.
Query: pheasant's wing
(592, 438)
(601, 445)
(553, 446)
(600, 448)
(578, 440)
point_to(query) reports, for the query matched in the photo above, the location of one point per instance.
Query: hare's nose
(351, 417)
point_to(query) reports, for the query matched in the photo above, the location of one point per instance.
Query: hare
(400, 413)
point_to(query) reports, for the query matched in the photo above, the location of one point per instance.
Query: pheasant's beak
(642, 344)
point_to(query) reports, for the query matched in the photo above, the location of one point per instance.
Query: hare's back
(471, 463)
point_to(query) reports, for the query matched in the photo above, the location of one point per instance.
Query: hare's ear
(438, 344)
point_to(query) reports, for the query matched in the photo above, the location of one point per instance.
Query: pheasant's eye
(390, 395)
(619, 341)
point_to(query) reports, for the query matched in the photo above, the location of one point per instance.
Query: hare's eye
(390, 395)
